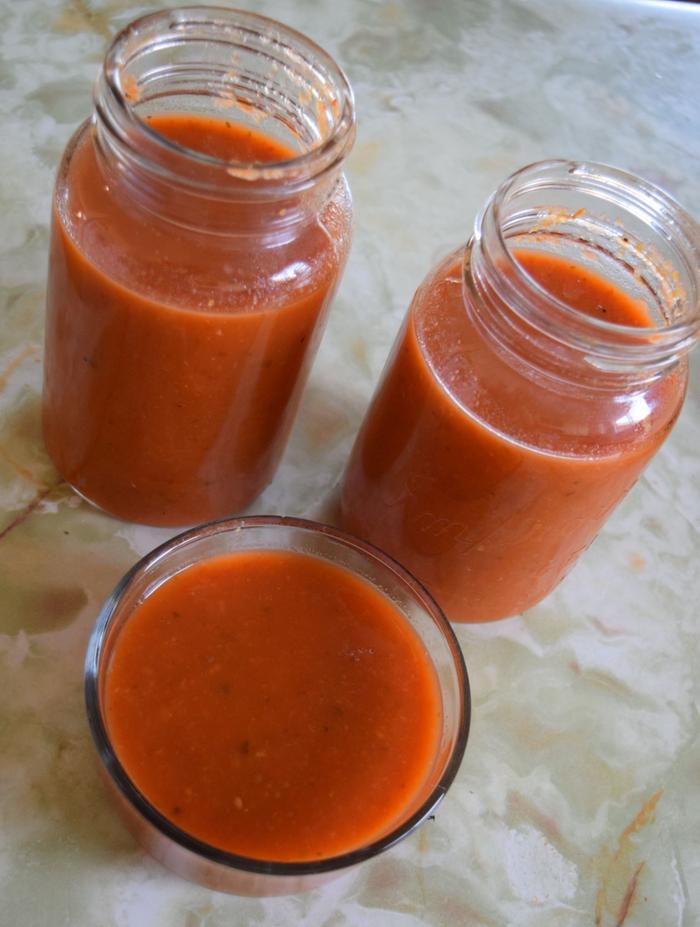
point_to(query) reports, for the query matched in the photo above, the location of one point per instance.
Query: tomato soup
(487, 482)
(273, 705)
(177, 340)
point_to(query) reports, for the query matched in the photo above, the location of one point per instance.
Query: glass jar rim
(114, 101)
(135, 798)
(552, 316)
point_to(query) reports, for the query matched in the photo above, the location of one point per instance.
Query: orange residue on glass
(131, 88)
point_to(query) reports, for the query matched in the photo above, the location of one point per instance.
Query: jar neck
(232, 65)
(615, 225)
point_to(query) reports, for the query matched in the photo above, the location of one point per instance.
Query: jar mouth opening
(640, 227)
(160, 57)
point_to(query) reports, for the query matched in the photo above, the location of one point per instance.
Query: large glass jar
(201, 222)
(538, 370)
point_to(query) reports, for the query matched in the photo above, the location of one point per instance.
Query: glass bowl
(208, 865)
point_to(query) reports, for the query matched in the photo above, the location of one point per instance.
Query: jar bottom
(167, 521)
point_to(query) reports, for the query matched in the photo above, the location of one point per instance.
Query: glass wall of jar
(201, 222)
(538, 370)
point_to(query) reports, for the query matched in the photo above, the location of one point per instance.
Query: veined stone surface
(578, 802)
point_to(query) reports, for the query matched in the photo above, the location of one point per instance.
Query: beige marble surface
(579, 799)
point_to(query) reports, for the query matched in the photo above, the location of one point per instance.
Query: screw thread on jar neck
(620, 227)
(232, 65)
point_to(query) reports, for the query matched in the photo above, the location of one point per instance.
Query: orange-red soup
(273, 705)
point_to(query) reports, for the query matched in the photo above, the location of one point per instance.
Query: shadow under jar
(200, 225)
(274, 702)
(538, 370)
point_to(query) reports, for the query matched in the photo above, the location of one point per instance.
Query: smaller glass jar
(537, 372)
(200, 225)
(165, 836)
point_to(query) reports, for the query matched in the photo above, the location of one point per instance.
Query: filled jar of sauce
(201, 222)
(538, 370)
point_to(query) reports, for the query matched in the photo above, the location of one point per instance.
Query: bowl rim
(200, 848)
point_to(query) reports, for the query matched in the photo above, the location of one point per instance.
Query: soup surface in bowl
(274, 705)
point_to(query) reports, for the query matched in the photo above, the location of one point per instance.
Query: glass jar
(538, 370)
(201, 222)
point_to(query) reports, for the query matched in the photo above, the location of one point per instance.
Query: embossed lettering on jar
(201, 223)
(538, 370)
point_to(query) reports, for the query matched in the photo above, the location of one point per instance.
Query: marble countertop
(578, 802)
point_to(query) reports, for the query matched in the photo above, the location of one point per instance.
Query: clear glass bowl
(175, 848)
